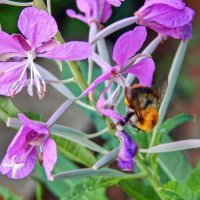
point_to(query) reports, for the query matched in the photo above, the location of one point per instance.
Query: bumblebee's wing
(159, 88)
(133, 101)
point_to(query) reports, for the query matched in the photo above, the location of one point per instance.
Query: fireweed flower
(125, 47)
(166, 17)
(170, 18)
(127, 152)
(17, 53)
(98, 11)
(31, 142)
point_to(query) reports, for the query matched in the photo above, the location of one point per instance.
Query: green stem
(77, 75)
(97, 134)
(173, 76)
(49, 6)
(155, 184)
(166, 170)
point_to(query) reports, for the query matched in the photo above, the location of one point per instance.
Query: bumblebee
(143, 104)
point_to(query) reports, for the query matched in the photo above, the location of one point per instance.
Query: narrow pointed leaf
(91, 185)
(107, 159)
(89, 172)
(173, 146)
(74, 151)
(176, 162)
(76, 136)
(173, 122)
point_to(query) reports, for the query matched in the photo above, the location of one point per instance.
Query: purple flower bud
(167, 17)
(127, 151)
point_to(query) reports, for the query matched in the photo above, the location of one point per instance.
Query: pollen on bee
(150, 119)
(126, 102)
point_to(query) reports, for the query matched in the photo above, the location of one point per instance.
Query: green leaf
(82, 190)
(173, 122)
(176, 163)
(7, 194)
(174, 190)
(77, 136)
(58, 187)
(74, 151)
(89, 172)
(7, 109)
(194, 181)
(99, 194)
(139, 190)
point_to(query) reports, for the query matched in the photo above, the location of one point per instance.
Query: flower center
(31, 55)
(35, 77)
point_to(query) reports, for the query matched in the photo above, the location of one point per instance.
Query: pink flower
(98, 11)
(167, 17)
(125, 48)
(31, 142)
(17, 53)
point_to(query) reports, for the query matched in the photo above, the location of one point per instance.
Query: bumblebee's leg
(126, 119)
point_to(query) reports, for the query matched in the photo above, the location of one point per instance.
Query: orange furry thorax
(150, 119)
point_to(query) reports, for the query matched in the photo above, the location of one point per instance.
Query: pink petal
(182, 32)
(178, 4)
(105, 109)
(85, 6)
(116, 3)
(37, 26)
(28, 167)
(105, 76)
(71, 13)
(143, 70)
(3, 169)
(49, 157)
(9, 44)
(47, 46)
(106, 10)
(19, 143)
(37, 127)
(22, 172)
(69, 51)
(8, 79)
(22, 41)
(128, 44)
(16, 153)
(170, 17)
